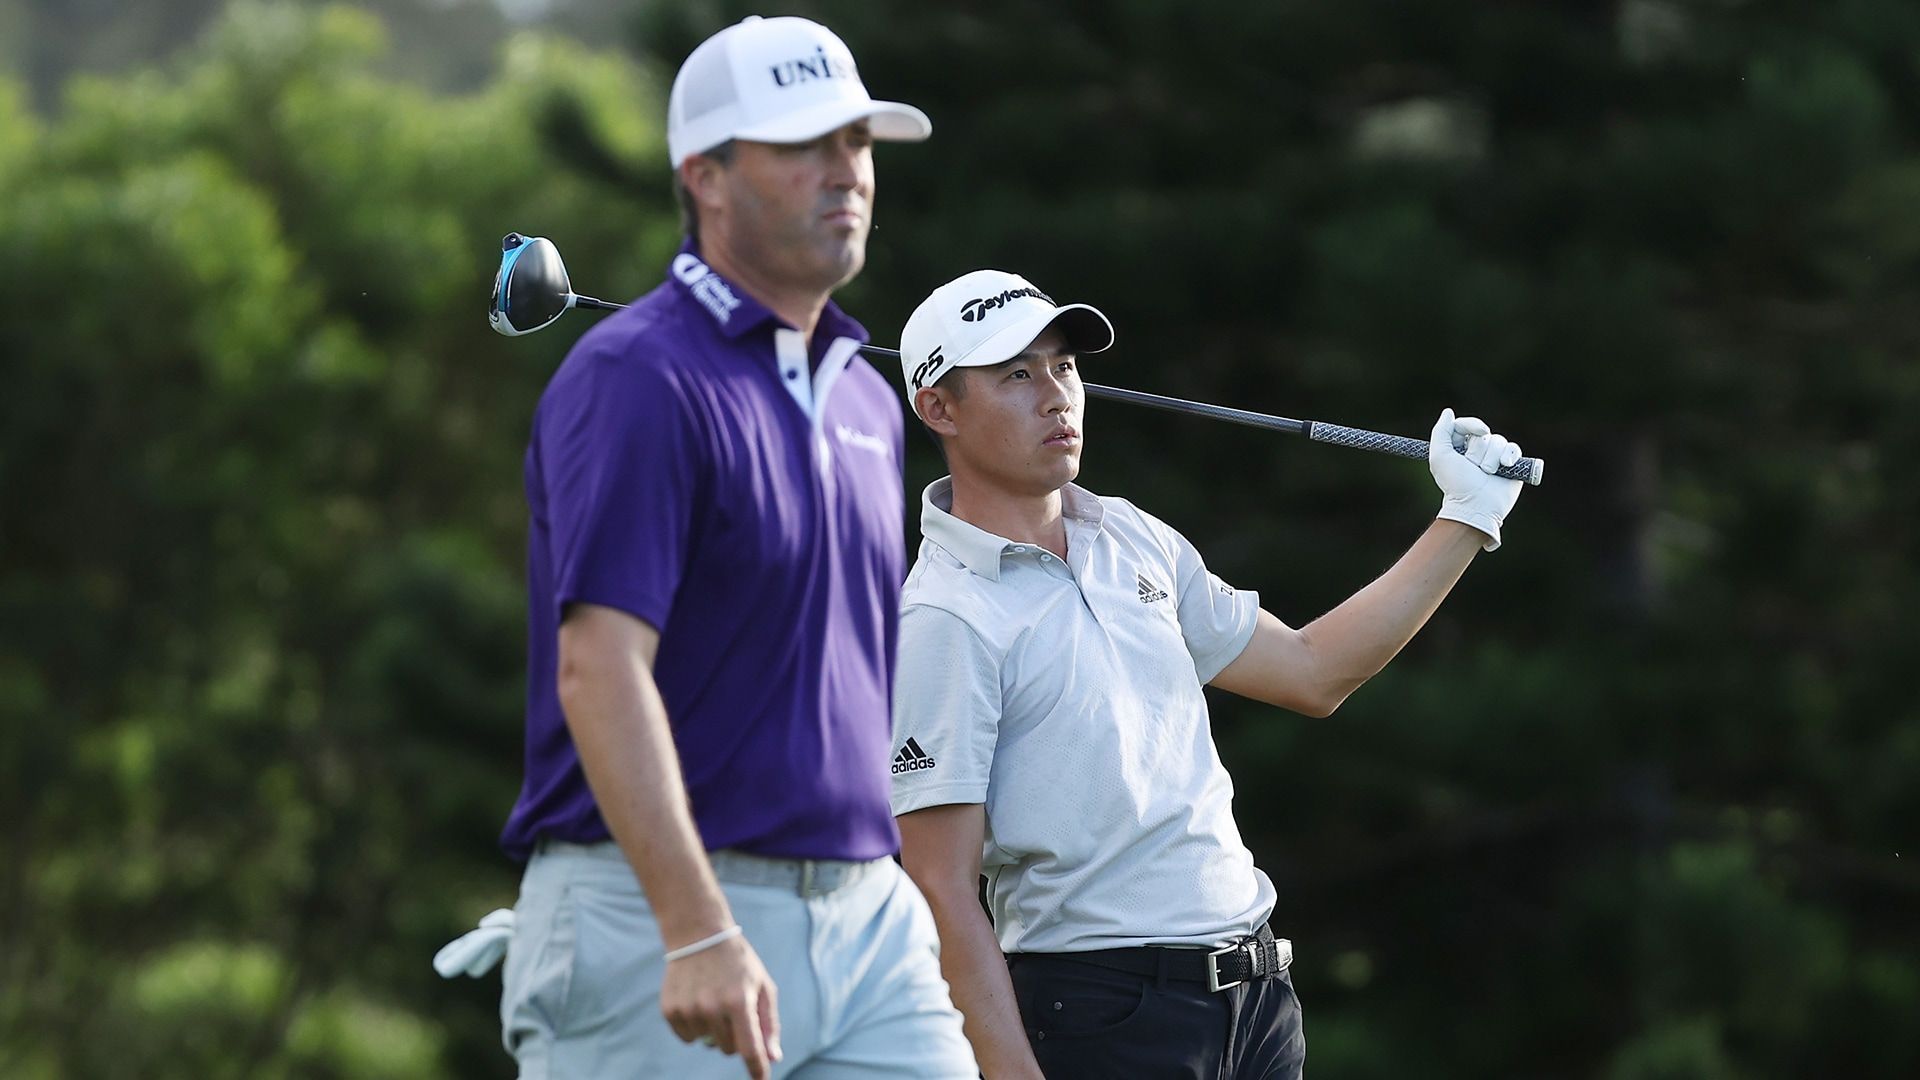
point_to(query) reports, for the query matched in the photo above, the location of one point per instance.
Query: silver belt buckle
(1213, 969)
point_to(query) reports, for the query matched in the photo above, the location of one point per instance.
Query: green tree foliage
(260, 662)
(1638, 805)
(447, 44)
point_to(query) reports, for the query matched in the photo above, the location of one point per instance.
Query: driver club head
(531, 289)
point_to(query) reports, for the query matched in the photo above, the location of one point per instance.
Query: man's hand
(724, 997)
(1473, 495)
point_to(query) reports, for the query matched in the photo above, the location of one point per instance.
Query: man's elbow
(1325, 698)
(1325, 683)
(1305, 697)
(945, 901)
(945, 886)
(938, 883)
(1320, 706)
(601, 649)
(1318, 710)
(581, 677)
(1306, 693)
(571, 681)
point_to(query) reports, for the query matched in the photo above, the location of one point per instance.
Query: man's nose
(843, 162)
(1058, 397)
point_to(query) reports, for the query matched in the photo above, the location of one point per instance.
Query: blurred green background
(1640, 804)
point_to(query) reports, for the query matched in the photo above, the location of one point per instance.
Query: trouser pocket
(1088, 1021)
(538, 978)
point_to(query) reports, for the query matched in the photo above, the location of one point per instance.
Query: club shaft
(1201, 408)
(1528, 469)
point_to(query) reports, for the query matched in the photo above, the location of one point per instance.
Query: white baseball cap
(988, 317)
(780, 80)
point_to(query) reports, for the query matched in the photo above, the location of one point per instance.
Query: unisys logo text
(818, 65)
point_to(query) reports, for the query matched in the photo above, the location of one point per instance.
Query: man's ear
(934, 407)
(701, 175)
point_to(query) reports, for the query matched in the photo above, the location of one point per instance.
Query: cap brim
(1086, 329)
(891, 121)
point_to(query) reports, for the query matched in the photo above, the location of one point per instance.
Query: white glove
(1472, 494)
(476, 951)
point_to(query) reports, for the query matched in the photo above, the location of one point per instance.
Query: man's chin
(842, 259)
(1063, 472)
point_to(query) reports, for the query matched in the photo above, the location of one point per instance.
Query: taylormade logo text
(817, 66)
(976, 309)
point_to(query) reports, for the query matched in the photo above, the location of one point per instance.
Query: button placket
(790, 351)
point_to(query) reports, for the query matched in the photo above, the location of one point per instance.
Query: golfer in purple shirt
(716, 552)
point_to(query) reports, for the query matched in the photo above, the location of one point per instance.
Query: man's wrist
(693, 918)
(1482, 527)
(694, 948)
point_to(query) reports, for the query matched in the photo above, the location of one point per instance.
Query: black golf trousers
(1091, 1022)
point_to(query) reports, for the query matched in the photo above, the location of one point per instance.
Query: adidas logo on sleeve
(911, 759)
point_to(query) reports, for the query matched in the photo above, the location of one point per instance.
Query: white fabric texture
(1068, 699)
(987, 317)
(780, 80)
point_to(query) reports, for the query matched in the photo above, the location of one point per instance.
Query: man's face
(799, 213)
(1017, 425)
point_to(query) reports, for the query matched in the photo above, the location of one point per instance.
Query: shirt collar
(735, 313)
(979, 550)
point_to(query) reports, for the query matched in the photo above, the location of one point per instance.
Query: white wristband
(704, 943)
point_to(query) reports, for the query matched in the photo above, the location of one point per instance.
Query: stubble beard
(816, 262)
(846, 256)
(795, 255)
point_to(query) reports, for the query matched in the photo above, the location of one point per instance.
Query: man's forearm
(976, 972)
(1351, 643)
(619, 726)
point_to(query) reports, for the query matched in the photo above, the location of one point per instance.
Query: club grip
(1528, 469)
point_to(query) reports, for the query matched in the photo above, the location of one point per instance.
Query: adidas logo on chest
(1149, 592)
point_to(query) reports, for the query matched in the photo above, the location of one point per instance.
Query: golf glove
(1472, 494)
(477, 951)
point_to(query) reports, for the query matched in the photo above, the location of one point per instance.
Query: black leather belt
(1261, 956)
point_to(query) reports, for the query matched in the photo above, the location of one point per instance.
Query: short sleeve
(621, 462)
(1216, 619)
(946, 711)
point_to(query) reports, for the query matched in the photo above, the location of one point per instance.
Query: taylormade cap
(780, 80)
(985, 318)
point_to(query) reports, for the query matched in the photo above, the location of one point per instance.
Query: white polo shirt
(1067, 699)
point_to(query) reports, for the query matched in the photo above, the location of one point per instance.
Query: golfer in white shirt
(1051, 733)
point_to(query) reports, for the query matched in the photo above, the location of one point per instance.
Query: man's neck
(797, 306)
(1024, 519)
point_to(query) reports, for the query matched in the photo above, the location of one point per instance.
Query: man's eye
(1017, 373)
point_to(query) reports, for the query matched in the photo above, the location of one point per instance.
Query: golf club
(531, 291)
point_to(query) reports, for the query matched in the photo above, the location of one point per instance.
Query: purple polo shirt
(694, 464)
